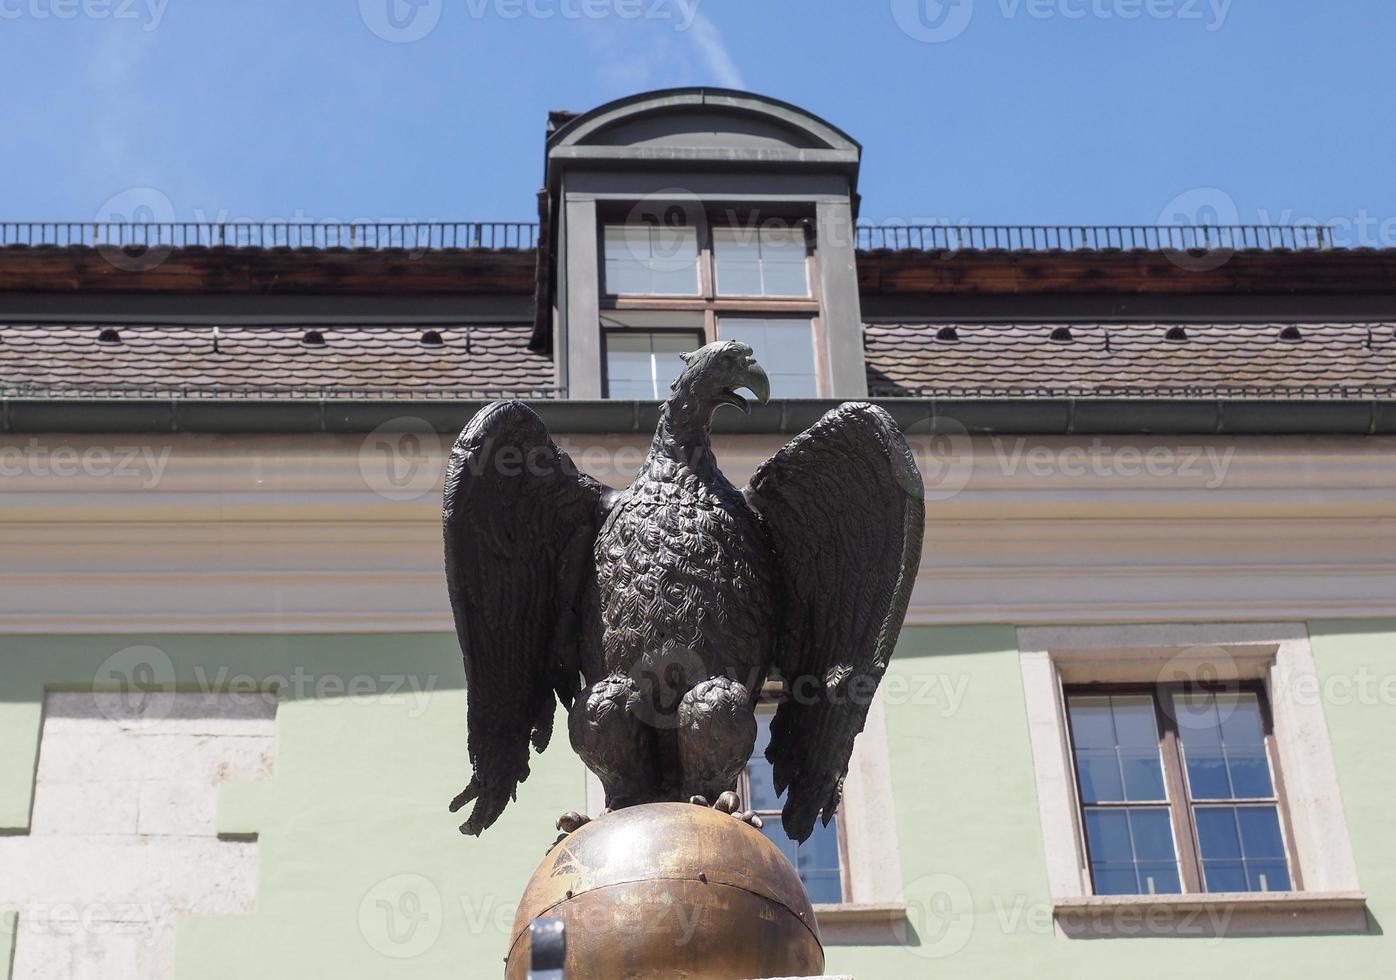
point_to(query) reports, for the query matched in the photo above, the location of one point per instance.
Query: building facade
(1134, 722)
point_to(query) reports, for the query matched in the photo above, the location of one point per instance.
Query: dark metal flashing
(985, 416)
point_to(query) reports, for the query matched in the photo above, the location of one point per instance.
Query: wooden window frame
(1186, 842)
(712, 306)
(771, 695)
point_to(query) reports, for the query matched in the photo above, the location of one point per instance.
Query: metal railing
(438, 235)
(1032, 238)
(409, 235)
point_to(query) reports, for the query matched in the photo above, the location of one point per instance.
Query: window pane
(783, 262)
(650, 260)
(1224, 744)
(784, 347)
(1116, 743)
(817, 859)
(1267, 876)
(1099, 772)
(642, 365)
(1092, 723)
(1242, 848)
(1260, 833)
(737, 261)
(760, 261)
(1131, 851)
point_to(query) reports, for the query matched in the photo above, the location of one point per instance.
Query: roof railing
(439, 235)
(408, 235)
(1072, 238)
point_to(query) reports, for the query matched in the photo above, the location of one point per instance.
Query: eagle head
(713, 374)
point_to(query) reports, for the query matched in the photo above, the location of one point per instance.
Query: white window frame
(1280, 655)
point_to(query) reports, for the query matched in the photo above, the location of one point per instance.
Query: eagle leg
(614, 742)
(716, 733)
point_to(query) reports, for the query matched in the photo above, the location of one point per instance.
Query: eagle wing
(844, 505)
(520, 522)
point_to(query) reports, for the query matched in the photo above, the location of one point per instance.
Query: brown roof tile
(1131, 359)
(47, 358)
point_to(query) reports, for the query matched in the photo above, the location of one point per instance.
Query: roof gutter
(984, 416)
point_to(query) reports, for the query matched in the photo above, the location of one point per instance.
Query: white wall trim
(1278, 653)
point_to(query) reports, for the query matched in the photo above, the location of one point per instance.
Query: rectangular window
(641, 365)
(785, 348)
(1177, 790)
(761, 261)
(818, 859)
(651, 260)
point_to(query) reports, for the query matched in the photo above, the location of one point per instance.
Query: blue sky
(1008, 111)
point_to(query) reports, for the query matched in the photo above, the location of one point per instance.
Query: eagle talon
(728, 802)
(699, 801)
(572, 821)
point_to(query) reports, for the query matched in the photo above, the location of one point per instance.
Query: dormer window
(670, 287)
(682, 217)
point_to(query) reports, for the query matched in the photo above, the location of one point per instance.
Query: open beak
(755, 381)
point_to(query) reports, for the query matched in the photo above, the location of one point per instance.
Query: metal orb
(671, 890)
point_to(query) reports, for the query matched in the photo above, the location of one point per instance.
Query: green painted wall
(362, 873)
(971, 842)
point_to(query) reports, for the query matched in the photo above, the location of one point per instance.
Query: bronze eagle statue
(655, 614)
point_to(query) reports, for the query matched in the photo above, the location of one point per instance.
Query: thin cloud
(635, 55)
(714, 52)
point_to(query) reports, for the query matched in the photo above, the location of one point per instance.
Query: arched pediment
(702, 119)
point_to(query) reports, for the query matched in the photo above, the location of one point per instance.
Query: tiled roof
(48, 359)
(1174, 360)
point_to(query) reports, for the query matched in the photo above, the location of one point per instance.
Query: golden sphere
(671, 890)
